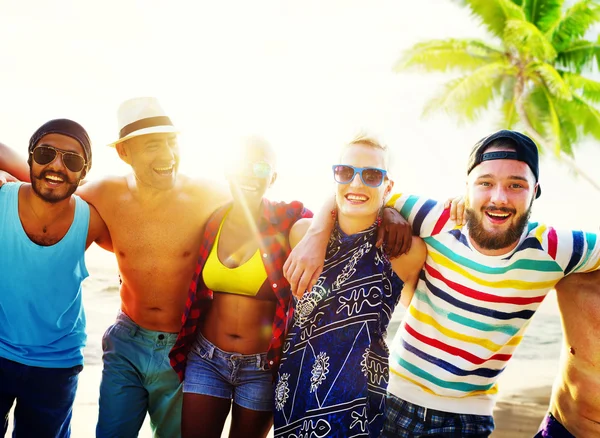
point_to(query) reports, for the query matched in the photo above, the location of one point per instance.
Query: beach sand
(518, 414)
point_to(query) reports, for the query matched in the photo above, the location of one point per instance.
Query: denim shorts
(245, 379)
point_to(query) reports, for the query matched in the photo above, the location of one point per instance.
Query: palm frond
(553, 123)
(543, 13)
(540, 107)
(587, 88)
(510, 117)
(551, 78)
(569, 129)
(468, 96)
(526, 38)
(579, 55)
(494, 13)
(588, 117)
(575, 23)
(451, 54)
(535, 105)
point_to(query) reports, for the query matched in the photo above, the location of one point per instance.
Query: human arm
(575, 251)
(13, 165)
(305, 263)
(457, 209)
(427, 216)
(98, 231)
(408, 267)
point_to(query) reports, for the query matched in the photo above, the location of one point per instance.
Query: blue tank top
(42, 322)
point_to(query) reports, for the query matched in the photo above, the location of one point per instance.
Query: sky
(306, 75)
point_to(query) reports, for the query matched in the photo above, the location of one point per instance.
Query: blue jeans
(244, 379)
(44, 399)
(137, 378)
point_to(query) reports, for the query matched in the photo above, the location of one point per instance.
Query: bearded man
(44, 232)
(479, 288)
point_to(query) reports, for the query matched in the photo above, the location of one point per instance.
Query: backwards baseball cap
(525, 150)
(65, 127)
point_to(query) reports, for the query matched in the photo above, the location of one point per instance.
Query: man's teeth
(163, 169)
(54, 178)
(498, 215)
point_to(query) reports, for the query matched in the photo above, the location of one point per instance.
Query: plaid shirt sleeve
(280, 217)
(198, 296)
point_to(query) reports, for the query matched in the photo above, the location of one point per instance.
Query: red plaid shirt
(274, 227)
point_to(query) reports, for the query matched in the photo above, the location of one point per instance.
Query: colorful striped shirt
(470, 310)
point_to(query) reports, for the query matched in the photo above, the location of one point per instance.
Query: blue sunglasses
(370, 176)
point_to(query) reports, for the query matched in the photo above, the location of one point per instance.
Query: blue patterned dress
(334, 373)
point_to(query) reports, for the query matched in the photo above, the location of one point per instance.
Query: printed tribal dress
(334, 372)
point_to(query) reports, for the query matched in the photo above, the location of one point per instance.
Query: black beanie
(65, 127)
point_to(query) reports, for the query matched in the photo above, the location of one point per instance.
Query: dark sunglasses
(47, 154)
(370, 176)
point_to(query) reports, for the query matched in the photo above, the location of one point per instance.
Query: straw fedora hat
(140, 116)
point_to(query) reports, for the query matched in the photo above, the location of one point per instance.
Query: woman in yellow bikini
(238, 306)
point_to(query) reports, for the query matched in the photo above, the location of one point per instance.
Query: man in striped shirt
(478, 290)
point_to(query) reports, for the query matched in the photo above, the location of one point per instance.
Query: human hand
(457, 209)
(6, 177)
(305, 263)
(396, 231)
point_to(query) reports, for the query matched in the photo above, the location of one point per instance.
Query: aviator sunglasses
(47, 154)
(370, 176)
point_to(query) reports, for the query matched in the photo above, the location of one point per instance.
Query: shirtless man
(155, 218)
(575, 403)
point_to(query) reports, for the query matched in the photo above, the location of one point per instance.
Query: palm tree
(533, 71)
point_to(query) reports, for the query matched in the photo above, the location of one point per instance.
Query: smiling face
(499, 198)
(252, 171)
(355, 199)
(54, 182)
(154, 159)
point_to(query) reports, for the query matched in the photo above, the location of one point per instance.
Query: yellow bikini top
(246, 279)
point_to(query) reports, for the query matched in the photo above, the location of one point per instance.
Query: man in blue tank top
(44, 232)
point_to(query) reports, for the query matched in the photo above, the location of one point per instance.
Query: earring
(333, 213)
(379, 219)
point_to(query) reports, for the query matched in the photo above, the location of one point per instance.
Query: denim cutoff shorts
(243, 378)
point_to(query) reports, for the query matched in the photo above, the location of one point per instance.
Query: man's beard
(494, 241)
(36, 182)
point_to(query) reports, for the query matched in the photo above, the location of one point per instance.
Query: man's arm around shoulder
(208, 194)
(427, 216)
(13, 165)
(98, 231)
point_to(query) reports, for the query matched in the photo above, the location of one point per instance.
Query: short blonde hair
(371, 141)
